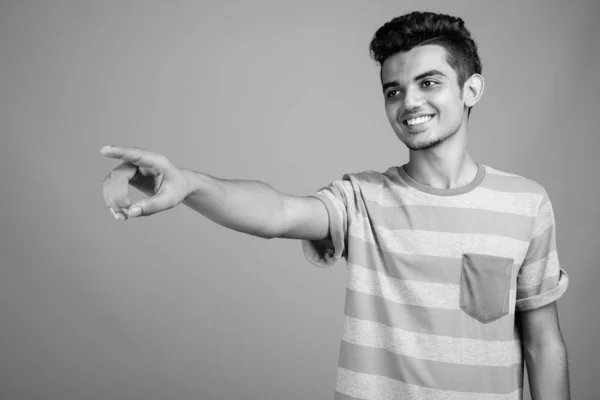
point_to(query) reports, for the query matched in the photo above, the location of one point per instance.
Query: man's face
(418, 83)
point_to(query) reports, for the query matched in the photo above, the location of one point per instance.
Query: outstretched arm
(247, 206)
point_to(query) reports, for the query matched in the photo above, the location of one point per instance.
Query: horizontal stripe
(455, 323)
(431, 374)
(544, 220)
(449, 219)
(511, 183)
(424, 294)
(534, 273)
(444, 244)
(545, 298)
(547, 284)
(541, 246)
(413, 267)
(341, 188)
(375, 387)
(432, 347)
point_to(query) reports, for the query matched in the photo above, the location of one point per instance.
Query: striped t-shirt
(434, 279)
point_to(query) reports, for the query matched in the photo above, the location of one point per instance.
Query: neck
(445, 166)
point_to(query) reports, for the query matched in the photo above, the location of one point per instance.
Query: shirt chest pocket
(485, 286)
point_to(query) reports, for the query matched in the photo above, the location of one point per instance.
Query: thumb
(155, 204)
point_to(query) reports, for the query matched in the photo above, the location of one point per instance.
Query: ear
(473, 90)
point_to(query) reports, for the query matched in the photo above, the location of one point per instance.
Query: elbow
(553, 347)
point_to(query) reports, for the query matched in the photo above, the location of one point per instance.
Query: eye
(392, 93)
(428, 83)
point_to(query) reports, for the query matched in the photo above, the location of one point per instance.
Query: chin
(428, 143)
(425, 146)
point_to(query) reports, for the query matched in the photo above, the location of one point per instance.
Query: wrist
(196, 182)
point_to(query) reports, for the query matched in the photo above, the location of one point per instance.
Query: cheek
(450, 109)
(391, 111)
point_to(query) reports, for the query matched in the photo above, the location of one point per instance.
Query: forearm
(547, 369)
(247, 206)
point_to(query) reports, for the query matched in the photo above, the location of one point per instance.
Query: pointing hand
(161, 180)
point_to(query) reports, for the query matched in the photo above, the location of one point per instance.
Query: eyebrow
(432, 72)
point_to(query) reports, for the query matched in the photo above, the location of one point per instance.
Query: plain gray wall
(175, 306)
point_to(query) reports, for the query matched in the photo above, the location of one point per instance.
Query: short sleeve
(541, 281)
(338, 197)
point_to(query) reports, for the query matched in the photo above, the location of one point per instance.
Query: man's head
(429, 66)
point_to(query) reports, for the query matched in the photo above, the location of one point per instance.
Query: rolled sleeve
(545, 298)
(326, 253)
(541, 281)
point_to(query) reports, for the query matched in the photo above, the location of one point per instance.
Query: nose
(412, 99)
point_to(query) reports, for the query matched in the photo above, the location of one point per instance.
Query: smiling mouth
(418, 122)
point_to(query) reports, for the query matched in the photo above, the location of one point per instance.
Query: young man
(453, 268)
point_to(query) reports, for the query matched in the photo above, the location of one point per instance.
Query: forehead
(403, 67)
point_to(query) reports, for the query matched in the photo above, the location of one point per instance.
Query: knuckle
(163, 160)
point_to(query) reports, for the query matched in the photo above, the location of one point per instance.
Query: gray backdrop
(175, 306)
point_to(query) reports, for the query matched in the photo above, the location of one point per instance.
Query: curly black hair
(419, 28)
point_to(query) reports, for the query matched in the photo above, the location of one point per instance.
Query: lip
(418, 127)
(411, 116)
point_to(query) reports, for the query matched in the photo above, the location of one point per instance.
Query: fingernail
(116, 215)
(105, 148)
(135, 212)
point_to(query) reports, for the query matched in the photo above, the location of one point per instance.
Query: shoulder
(365, 177)
(365, 183)
(513, 183)
(372, 179)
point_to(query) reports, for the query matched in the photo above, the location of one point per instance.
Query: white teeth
(419, 120)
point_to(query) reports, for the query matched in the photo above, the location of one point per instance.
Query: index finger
(139, 157)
